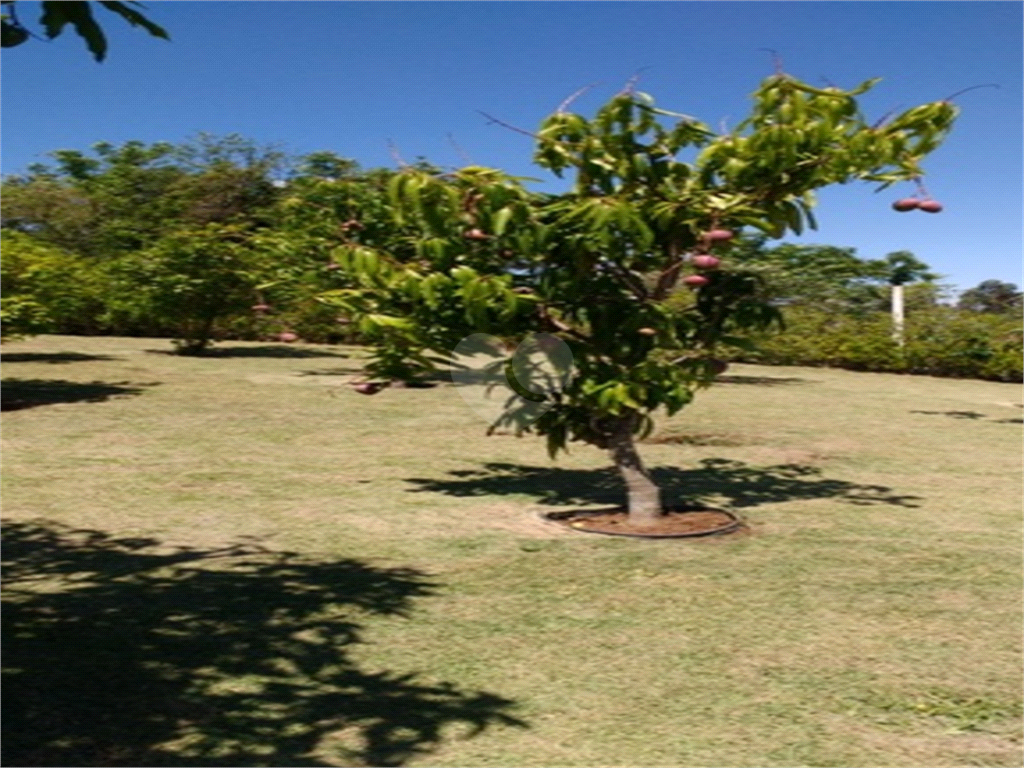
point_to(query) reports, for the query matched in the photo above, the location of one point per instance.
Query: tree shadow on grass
(341, 371)
(715, 480)
(955, 414)
(120, 652)
(764, 381)
(972, 415)
(267, 350)
(16, 394)
(52, 357)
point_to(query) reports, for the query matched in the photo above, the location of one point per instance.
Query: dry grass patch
(426, 616)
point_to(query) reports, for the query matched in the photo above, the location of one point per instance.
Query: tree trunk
(644, 497)
(897, 314)
(196, 339)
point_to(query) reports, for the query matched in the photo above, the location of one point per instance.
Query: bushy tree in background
(112, 201)
(227, 179)
(186, 282)
(51, 212)
(118, 199)
(991, 296)
(828, 277)
(939, 341)
(127, 212)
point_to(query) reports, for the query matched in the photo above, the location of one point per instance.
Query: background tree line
(218, 238)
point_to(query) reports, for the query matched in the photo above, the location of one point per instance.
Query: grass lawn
(237, 560)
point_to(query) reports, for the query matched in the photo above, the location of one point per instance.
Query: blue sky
(350, 77)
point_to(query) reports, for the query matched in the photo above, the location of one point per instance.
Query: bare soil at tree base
(675, 523)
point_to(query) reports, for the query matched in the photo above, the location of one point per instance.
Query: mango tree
(658, 198)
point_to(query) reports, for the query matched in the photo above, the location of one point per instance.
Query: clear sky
(352, 76)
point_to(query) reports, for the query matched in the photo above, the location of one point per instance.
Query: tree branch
(393, 150)
(667, 279)
(632, 282)
(565, 104)
(559, 325)
(880, 121)
(776, 61)
(965, 90)
(459, 151)
(630, 87)
(503, 124)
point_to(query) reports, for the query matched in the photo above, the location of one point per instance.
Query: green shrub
(46, 289)
(938, 341)
(187, 283)
(311, 321)
(966, 344)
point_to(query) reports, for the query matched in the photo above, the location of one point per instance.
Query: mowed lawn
(237, 560)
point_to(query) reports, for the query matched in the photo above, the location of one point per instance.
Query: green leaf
(54, 17)
(739, 342)
(11, 34)
(396, 189)
(511, 306)
(793, 219)
(500, 221)
(428, 290)
(389, 321)
(438, 249)
(867, 85)
(367, 263)
(58, 14)
(623, 396)
(805, 208)
(555, 439)
(135, 18)
(646, 427)
(463, 274)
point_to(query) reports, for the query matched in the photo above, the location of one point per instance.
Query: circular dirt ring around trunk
(678, 523)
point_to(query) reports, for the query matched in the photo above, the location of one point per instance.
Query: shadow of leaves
(52, 357)
(721, 480)
(123, 652)
(764, 381)
(973, 415)
(16, 394)
(340, 371)
(266, 350)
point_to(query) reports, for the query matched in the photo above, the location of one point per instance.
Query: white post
(897, 314)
